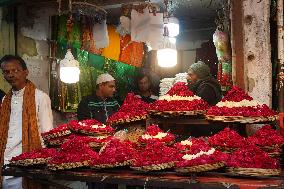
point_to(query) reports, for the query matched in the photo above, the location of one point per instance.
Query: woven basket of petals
(30, 162)
(177, 113)
(128, 120)
(253, 171)
(156, 167)
(241, 119)
(108, 166)
(66, 166)
(200, 168)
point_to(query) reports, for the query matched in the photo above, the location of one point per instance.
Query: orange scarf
(30, 133)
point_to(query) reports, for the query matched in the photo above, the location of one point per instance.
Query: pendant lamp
(69, 69)
(167, 53)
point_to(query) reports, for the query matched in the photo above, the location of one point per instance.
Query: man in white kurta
(14, 141)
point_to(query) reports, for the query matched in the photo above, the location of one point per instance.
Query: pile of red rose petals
(40, 153)
(132, 109)
(155, 134)
(90, 127)
(156, 153)
(196, 160)
(179, 89)
(266, 137)
(255, 111)
(74, 153)
(252, 157)
(236, 95)
(115, 153)
(186, 145)
(227, 138)
(60, 131)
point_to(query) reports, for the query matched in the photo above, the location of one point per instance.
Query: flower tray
(96, 146)
(65, 166)
(129, 120)
(93, 134)
(55, 142)
(274, 154)
(56, 135)
(200, 168)
(270, 148)
(108, 166)
(273, 151)
(225, 149)
(253, 171)
(157, 167)
(30, 162)
(143, 144)
(177, 113)
(241, 119)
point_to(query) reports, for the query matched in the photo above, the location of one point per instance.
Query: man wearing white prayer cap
(101, 105)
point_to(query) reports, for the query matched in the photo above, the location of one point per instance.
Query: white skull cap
(104, 78)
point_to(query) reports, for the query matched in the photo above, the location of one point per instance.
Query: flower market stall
(90, 151)
(147, 144)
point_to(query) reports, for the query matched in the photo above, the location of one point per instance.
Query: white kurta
(14, 141)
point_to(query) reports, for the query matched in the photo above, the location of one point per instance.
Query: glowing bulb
(69, 69)
(69, 74)
(167, 57)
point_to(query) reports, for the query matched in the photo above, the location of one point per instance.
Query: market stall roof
(193, 14)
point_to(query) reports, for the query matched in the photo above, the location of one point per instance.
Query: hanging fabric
(147, 27)
(113, 50)
(88, 42)
(131, 52)
(100, 33)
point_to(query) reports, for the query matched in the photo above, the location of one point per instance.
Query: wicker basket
(96, 146)
(55, 142)
(225, 149)
(56, 135)
(66, 166)
(143, 144)
(30, 162)
(200, 168)
(177, 113)
(129, 120)
(157, 167)
(91, 133)
(273, 151)
(107, 166)
(253, 171)
(271, 148)
(241, 119)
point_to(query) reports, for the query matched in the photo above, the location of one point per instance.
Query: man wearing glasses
(25, 113)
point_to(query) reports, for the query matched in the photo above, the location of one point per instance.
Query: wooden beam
(237, 41)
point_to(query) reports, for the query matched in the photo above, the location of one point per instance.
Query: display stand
(159, 179)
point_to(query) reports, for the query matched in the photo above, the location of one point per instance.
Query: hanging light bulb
(69, 69)
(167, 54)
(172, 24)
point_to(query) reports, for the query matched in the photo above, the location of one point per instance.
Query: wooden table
(161, 179)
